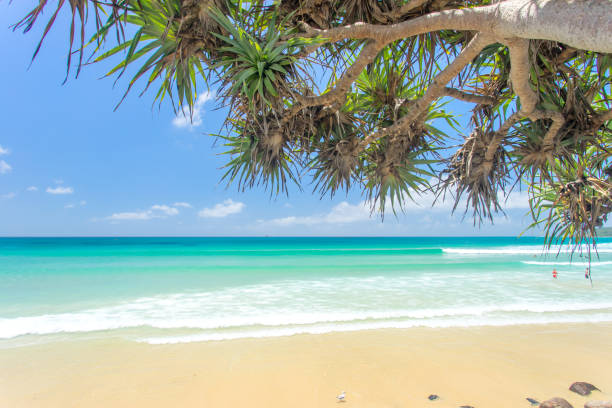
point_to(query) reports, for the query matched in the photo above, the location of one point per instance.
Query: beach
(477, 366)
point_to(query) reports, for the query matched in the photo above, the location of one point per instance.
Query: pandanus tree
(350, 93)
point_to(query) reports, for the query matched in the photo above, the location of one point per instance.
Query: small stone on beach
(598, 404)
(433, 397)
(532, 401)
(466, 406)
(556, 403)
(582, 388)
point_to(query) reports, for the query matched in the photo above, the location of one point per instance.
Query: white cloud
(343, 213)
(182, 204)
(79, 204)
(60, 190)
(347, 213)
(125, 216)
(183, 119)
(292, 220)
(155, 211)
(223, 209)
(32, 188)
(165, 209)
(5, 167)
(423, 204)
(515, 200)
(427, 201)
(8, 196)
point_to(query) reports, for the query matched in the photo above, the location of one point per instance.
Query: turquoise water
(165, 290)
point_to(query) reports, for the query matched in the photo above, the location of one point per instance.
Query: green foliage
(336, 164)
(257, 160)
(256, 71)
(396, 182)
(573, 205)
(163, 54)
(80, 10)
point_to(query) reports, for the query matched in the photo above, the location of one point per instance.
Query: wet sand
(482, 367)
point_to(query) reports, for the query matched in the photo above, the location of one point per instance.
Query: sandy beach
(481, 367)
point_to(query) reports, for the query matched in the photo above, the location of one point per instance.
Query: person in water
(587, 273)
(555, 273)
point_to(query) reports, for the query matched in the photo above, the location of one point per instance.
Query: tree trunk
(582, 24)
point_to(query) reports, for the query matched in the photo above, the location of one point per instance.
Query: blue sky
(69, 165)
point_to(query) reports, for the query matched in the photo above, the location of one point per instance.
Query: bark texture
(581, 24)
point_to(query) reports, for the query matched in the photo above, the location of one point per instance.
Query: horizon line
(272, 236)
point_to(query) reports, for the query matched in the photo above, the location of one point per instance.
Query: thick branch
(343, 85)
(435, 90)
(519, 75)
(367, 55)
(468, 97)
(548, 143)
(465, 20)
(551, 134)
(498, 138)
(521, 84)
(583, 24)
(405, 9)
(602, 118)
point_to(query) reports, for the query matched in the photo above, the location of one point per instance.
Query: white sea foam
(521, 250)
(150, 313)
(322, 329)
(581, 263)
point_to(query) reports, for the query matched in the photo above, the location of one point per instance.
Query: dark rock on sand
(556, 403)
(433, 397)
(532, 401)
(469, 406)
(598, 404)
(582, 388)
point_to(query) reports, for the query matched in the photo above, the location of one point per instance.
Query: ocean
(173, 290)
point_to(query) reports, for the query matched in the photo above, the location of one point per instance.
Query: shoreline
(477, 366)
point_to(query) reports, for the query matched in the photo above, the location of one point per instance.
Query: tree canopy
(352, 92)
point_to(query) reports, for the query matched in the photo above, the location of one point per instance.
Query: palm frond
(256, 160)
(79, 11)
(571, 207)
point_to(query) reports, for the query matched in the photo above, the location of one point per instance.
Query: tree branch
(343, 85)
(405, 9)
(602, 118)
(521, 84)
(519, 75)
(498, 138)
(435, 90)
(335, 95)
(548, 142)
(464, 20)
(468, 97)
(588, 23)
(366, 56)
